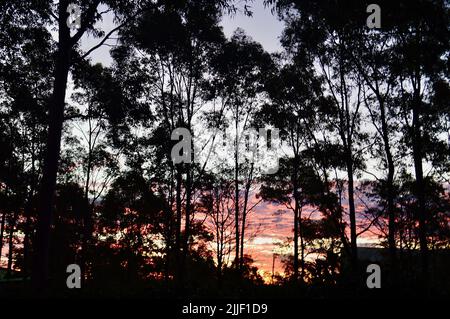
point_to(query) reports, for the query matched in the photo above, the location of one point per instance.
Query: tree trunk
(302, 246)
(50, 165)
(296, 216)
(296, 241)
(187, 227)
(87, 235)
(169, 243)
(390, 175)
(12, 224)
(390, 184)
(179, 272)
(236, 193)
(26, 240)
(336, 221)
(2, 229)
(87, 216)
(28, 212)
(420, 186)
(169, 229)
(244, 213)
(347, 138)
(351, 204)
(242, 234)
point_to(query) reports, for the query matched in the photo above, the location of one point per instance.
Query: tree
(175, 44)
(420, 45)
(218, 205)
(372, 54)
(65, 54)
(321, 30)
(240, 71)
(294, 91)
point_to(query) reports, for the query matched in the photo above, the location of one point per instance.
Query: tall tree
(174, 60)
(65, 54)
(240, 71)
(420, 47)
(371, 52)
(322, 30)
(294, 92)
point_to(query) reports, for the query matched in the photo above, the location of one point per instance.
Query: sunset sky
(272, 224)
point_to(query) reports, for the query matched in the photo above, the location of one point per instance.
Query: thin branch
(103, 41)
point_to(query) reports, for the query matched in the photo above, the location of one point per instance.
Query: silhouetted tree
(240, 71)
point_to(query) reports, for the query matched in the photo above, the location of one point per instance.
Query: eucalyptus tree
(293, 91)
(240, 71)
(421, 51)
(99, 103)
(171, 47)
(296, 105)
(371, 53)
(397, 68)
(64, 50)
(217, 205)
(25, 62)
(402, 68)
(324, 30)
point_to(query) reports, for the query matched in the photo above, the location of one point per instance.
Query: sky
(273, 224)
(263, 26)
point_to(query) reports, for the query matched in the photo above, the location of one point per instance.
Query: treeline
(87, 174)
